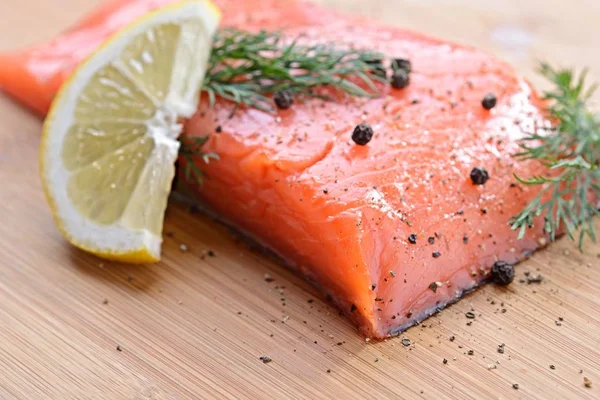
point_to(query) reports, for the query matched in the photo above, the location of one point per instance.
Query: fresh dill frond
(191, 151)
(571, 150)
(248, 67)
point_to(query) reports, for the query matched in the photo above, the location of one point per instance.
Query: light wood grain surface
(194, 326)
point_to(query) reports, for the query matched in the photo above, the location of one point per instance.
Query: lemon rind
(110, 242)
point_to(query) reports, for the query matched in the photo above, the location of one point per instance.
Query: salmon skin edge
(255, 243)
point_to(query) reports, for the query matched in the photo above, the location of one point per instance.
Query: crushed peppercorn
(502, 273)
(501, 348)
(412, 238)
(433, 286)
(535, 279)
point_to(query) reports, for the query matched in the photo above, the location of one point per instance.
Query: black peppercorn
(400, 79)
(479, 175)
(362, 134)
(412, 239)
(433, 287)
(403, 64)
(502, 273)
(284, 99)
(431, 240)
(489, 101)
(436, 254)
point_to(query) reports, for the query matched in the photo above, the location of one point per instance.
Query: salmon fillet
(393, 231)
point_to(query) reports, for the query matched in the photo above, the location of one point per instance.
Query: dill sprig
(191, 150)
(247, 67)
(571, 150)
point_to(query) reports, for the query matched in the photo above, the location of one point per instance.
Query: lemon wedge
(109, 142)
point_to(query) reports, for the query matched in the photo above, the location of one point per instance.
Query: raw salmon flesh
(393, 231)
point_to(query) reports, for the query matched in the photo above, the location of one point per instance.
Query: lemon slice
(110, 139)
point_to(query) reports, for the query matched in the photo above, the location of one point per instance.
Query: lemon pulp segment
(110, 140)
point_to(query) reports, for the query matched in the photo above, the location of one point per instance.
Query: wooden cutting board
(194, 326)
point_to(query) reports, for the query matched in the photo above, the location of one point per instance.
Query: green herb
(571, 150)
(190, 151)
(248, 67)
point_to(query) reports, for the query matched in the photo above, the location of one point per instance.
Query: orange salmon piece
(34, 75)
(394, 230)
